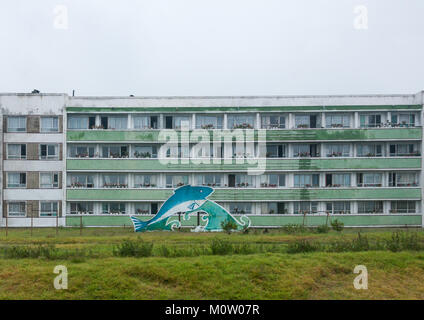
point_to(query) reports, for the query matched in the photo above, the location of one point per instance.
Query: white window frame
(20, 157)
(54, 122)
(19, 128)
(52, 212)
(16, 215)
(52, 185)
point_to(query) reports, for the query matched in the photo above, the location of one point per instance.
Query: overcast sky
(212, 47)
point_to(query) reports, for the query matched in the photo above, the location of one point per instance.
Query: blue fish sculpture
(185, 199)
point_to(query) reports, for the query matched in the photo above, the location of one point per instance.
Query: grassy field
(184, 265)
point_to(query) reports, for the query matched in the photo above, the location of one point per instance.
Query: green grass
(184, 265)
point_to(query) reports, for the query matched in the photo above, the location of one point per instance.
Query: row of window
(47, 180)
(270, 150)
(301, 207)
(48, 124)
(304, 180)
(241, 121)
(46, 209)
(45, 151)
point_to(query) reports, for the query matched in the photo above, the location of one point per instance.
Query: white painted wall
(32, 194)
(32, 165)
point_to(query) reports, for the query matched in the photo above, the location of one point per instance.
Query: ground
(182, 265)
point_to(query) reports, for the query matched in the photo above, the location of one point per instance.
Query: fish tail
(139, 225)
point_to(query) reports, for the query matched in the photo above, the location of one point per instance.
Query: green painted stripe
(269, 221)
(242, 109)
(271, 135)
(250, 194)
(271, 164)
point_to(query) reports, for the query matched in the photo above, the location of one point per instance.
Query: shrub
(337, 225)
(323, 228)
(403, 241)
(294, 228)
(221, 247)
(130, 248)
(228, 225)
(300, 246)
(360, 243)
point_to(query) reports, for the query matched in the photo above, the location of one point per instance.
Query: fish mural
(189, 199)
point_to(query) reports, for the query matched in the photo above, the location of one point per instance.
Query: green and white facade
(98, 160)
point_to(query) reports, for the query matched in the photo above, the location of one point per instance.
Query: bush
(221, 247)
(130, 248)
(294, 228)
(337, 225)
(300, 246)
(323, 228)
(228, 225)
(403, 241)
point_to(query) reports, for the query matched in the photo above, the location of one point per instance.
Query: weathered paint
(271, 164)
(251, 194)
(271, 135)
(265, 220)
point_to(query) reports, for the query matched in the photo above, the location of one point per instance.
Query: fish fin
(138, 224)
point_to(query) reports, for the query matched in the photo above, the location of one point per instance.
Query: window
(114, 122)
(80, 180)
(114, 181)
(16, 124)
(240, 121)
(49, 180)
(178, 151)
(49, 124)
(240, 208)
(142, 208)
(81, 208)
(307, 121)
(370, 150)
(16, 151)
(145, 152)
(338, 207)
(16, 180)
(145, 181)
(275, 151)
(49, 151)
(113, 208)
(115, 151)
(403, 119)
(337, 180)
(177, 122)
(273, 180)
(273, 122)
(244, 181)
(79, 151)
(333, 120)
(305, 207)
(208, 122)
(211, 180)
(175, 181)
(403, 179)
(80, 122)
(145, 122)
(370, 206)
(306, 180)
(305, 150)
(273, 208)
(370, 120)
(48, 209)
(16, 209)
(338, 150)
(404, 149)
(403, 207)
(370, 179)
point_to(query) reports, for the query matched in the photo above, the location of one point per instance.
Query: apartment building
(279, 159)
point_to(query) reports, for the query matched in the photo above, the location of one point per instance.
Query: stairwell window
(16, 151)
(16, 209)
(49, 180)
(16, 124)
(48, 209)
(49, 151)
(49, 124)
(16, 180)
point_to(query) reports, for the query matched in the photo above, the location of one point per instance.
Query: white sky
(212, 47)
